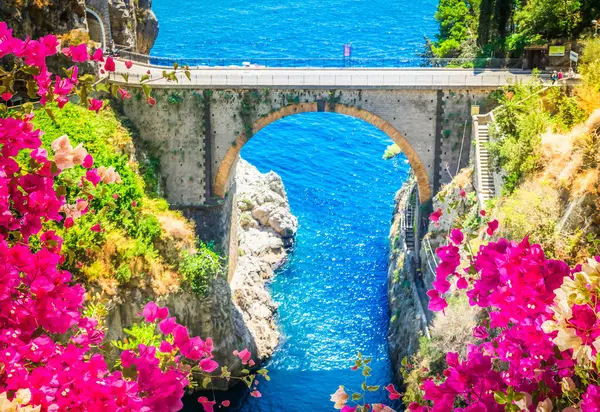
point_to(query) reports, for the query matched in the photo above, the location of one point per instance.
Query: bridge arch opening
(96, 27)
(226, 168)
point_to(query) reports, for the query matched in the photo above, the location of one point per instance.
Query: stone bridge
(199, 126)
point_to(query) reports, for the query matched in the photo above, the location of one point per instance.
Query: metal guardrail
(308, 79)
(355, 62)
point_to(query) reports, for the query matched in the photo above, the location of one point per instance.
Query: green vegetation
(391, 151)
(502, 28)
(140, 241)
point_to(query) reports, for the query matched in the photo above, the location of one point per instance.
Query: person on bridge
(554, 77)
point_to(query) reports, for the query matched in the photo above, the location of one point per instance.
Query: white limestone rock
(266, 228)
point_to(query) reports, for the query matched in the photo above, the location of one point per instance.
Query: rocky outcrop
(266, 229)
(213, 315)
(408, 314)
(38, 18)
(147, 26)
(133, 26)
(132, 23)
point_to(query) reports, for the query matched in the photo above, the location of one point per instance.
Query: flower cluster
(50, 354)
(540, 343)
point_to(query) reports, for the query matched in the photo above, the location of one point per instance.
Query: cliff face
(132, 23)
(265, 229)
(408, 310)
(37, 18)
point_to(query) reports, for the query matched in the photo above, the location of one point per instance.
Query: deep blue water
(332, 294)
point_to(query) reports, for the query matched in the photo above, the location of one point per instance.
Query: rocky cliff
(132, 23)
(408, 314)
(266, 228)
(411, 271)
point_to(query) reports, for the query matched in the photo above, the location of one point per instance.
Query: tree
(457, 19)
(550, 19)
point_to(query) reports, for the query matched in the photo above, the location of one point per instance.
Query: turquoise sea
(332, 294)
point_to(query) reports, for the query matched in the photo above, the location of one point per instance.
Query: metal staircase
(407, 221)
(485, 179)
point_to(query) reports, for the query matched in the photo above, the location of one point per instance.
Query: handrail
(323, 62)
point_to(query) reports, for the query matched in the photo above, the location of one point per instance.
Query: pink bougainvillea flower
(244, 355)
(339, 397)
(95, 105)
(165, 347)
(88, 161)
(206, 404)
(456, 236)
(151, 101)
(480, 332)
(108, 175)
(128, 64)
(462, 283)
(491, 227)
(436, 303)
(124, 94)
(98, 55)
(167, 325)
(393, 393)
(482, 212)
(96, 228)
(69, 222)
(79, 53)
(255, 394)
(93, 177)
(347, 408)
(208, 365)
(463, 194)
(379, 407)
(153, 312)
(225, 403)
(6, 96)
(435, 216)
(109, 65)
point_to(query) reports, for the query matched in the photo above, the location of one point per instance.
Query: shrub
(200, 268)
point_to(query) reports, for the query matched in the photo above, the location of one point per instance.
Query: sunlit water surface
(332, 294)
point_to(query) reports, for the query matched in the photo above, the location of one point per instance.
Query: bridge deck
(299, 78)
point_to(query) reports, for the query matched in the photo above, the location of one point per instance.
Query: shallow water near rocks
(332, 294)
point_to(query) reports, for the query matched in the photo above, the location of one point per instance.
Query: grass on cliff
(142, 243)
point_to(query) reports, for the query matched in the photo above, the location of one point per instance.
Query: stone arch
(226, 166)
(96, 27)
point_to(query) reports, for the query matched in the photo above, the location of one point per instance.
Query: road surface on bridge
(303, 78)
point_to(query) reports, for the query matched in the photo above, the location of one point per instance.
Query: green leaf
(206, 381)
(363, 386)
(500, 397)
(356, 396)
(32, 70)
(144, 78)
(27, 107)
(404, 361)
(147, 89)
(175, 66)
(188, 75)
(87, 78)
(114, 89)
(373, 388)
(103, 87)
(262, 371)
(245, 371)
(32, 89)
(125, 76)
